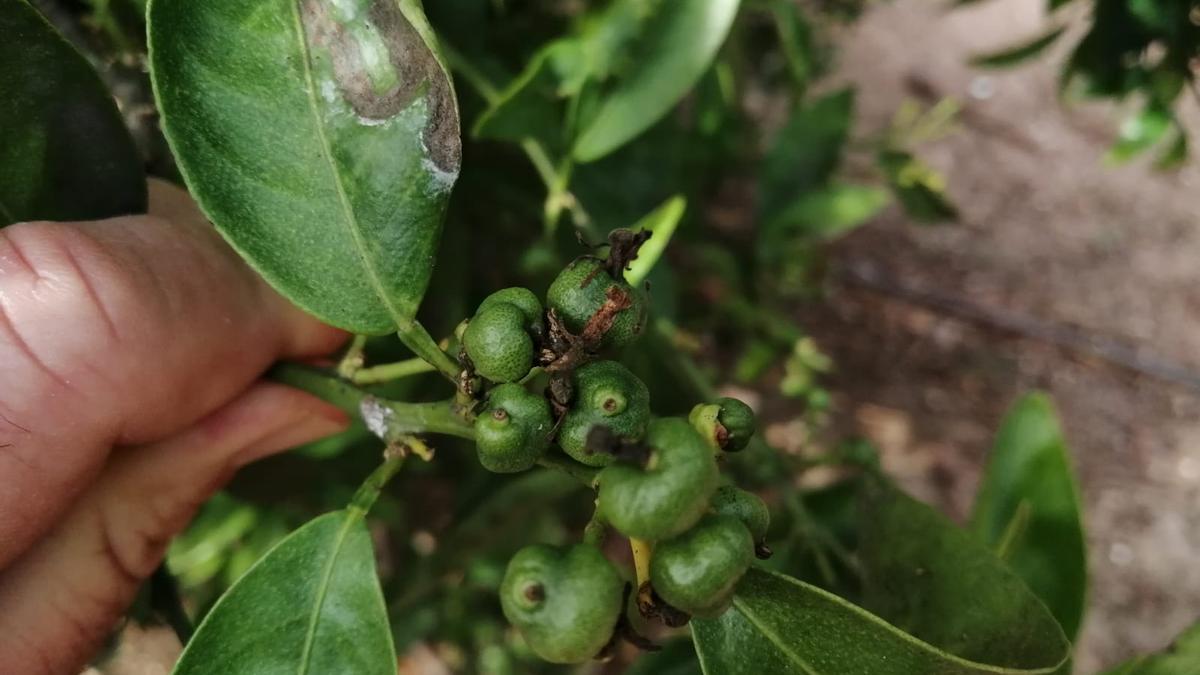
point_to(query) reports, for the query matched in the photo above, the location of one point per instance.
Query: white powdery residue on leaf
(329, 91)
(443, 181)
(376, 416)
(368, 122)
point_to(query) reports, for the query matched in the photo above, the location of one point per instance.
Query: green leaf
(678, 44)
(920, 189)
(1141, 132)
(1176, 153)
(662, 221)
(1028, 508)
(1015, 54)
(322, 139)
(529, 106)
(796, 42)
(780, 625)
(828, 213)
(532, 105)
(1181, 658)
(942, 585)
(312, 605)
(806, 152)
(65, 153)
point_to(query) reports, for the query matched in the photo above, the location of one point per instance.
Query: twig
(1066, 337)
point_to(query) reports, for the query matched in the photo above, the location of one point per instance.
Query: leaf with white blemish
(322, 139)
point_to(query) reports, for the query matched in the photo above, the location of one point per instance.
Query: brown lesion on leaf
(419, 74)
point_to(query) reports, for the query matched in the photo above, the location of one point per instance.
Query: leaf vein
(327, 574)
(771, 636)
(351, 220)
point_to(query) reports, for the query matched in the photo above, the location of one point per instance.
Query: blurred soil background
(1061, 267)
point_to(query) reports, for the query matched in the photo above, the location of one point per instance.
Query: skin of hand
(131, 351)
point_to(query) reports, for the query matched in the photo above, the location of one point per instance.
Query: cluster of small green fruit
(659, 482)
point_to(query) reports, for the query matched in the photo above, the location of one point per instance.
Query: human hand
(130, 357)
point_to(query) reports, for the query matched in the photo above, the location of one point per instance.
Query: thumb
(61, 599)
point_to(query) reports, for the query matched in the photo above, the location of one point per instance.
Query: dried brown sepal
(623, 249)
(559, 392)
(762, 551)
(563, 352)
(651, 606)
(624, 630)
(722, 436)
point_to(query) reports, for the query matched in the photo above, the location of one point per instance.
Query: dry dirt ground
(954, 322)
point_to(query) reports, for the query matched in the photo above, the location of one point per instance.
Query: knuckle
(70, 274)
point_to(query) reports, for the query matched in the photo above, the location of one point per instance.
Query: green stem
(541, 161)
(533, 149)
(369, 491)
(595, 531)
(583, 473)
(394, 419)
(662, 341)
(558, 198)
(391, 371)
(320, 382)
(352, 360)
(391, 418)
(415, 337)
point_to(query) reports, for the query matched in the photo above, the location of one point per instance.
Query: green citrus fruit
(523, 299)
(730, 500)
(698, 570)
(513, 430)
(498, 344)
(607, 394)
(738, 420)
(582, 289)
(670, 493)
(564, 601)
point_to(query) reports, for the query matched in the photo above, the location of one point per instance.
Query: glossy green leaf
(1015, 54)
(65, 153)
(806, 152)
(940, 584)
(662, 222)
(678, 44)
(321, 138)
(1181, 658)
(311, 606)
(1028, 509)
(782, 626)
